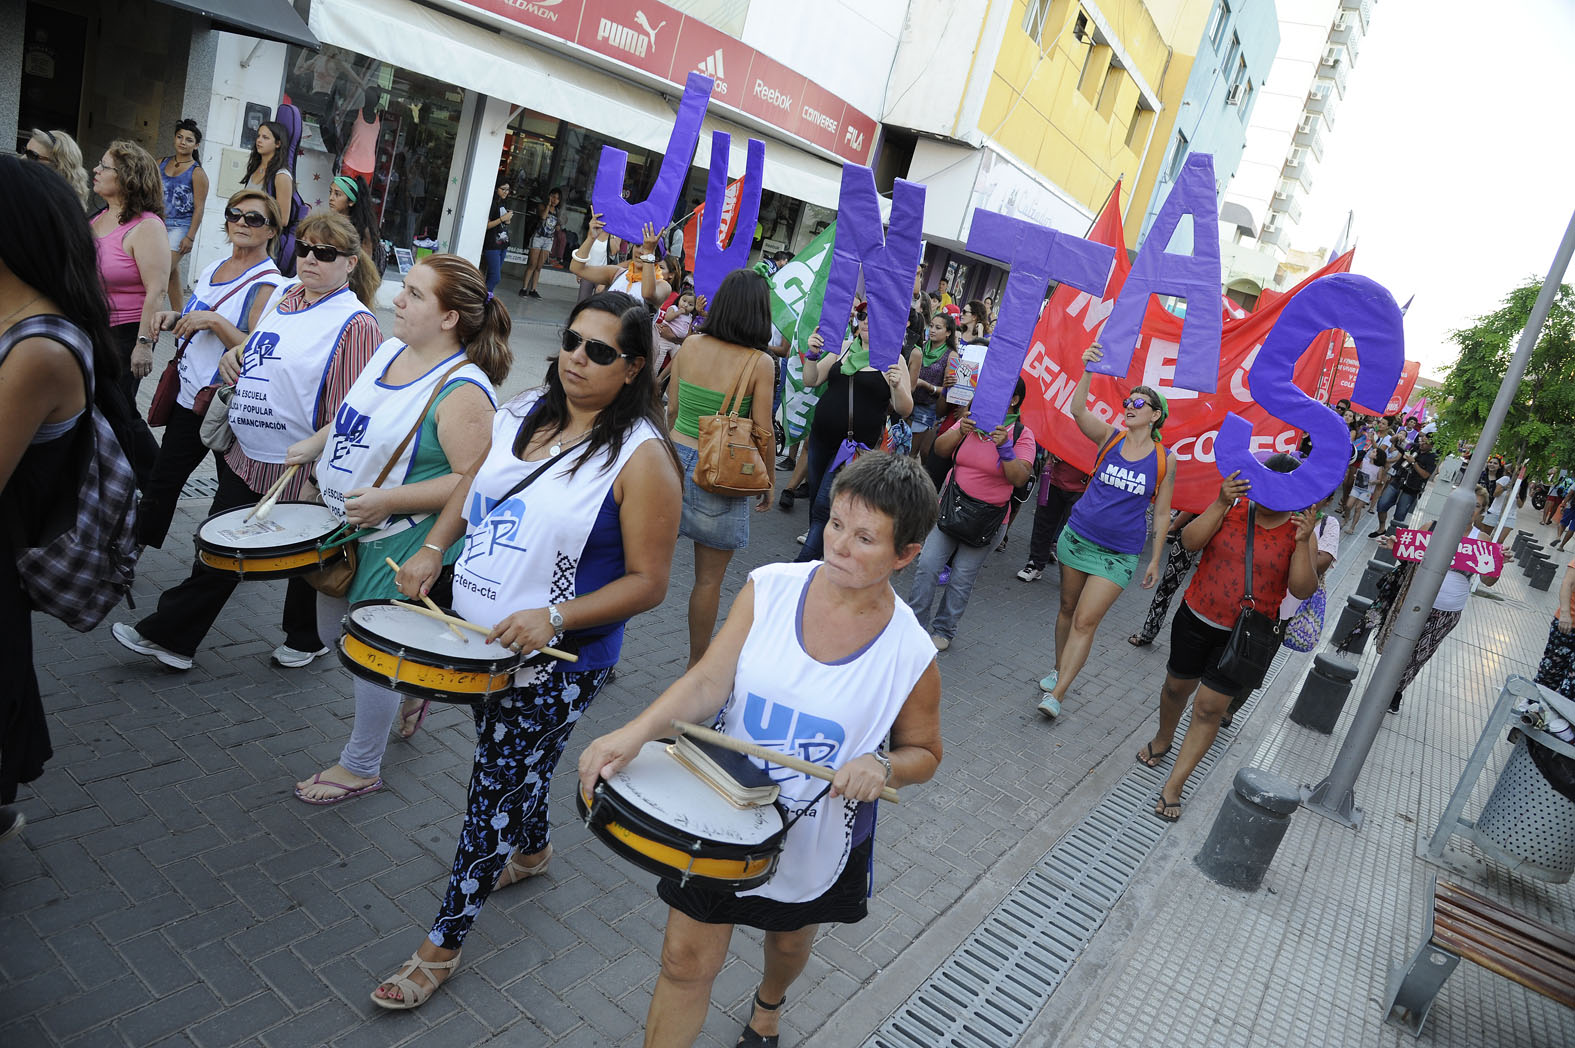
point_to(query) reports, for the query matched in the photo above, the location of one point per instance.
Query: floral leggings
(518, 743)
(1557, 670)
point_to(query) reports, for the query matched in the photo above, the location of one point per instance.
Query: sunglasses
(32, 155)
(256, 220)
(321, 252)
(1135, 403)
(597, 351)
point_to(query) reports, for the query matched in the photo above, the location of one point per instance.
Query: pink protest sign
(1475, 556)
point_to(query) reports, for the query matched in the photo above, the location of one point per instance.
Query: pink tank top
(118, 270)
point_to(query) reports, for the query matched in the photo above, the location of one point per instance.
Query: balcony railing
(1289, 204)
(1311, 140)
(1348, 37)
(1275, 238)
(1320, 105)
(1336, 73)
(1301, 174)
(1362, 8)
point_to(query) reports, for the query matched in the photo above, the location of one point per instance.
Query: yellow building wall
(1183, 23)
(1059, 106)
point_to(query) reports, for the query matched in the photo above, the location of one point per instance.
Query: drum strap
(805, 810)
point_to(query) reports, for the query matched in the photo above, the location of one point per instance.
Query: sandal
(749, 1038)
(420, 714)
(1148, 758)
(350, 792)
(1165, 808)
(517, 871)
(415, 994)
(1137, 640)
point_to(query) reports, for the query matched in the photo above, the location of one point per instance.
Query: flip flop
(1148, 758)
(1137, 641)
(420, 715)
(1163, 811)
(351, 792)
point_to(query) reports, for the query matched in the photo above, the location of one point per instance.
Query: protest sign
(1475, 556)
(797, 291)
(626, 220)
(888, 260)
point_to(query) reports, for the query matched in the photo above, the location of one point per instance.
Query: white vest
(199, 364)
(525, 551)
(629, 285)
(371, 422)
(827, 714)
(285, 364)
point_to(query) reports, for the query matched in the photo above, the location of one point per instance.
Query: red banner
(1072, 320)
(724, 235)
(1345, 379)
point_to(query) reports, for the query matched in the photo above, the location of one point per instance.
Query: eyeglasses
(321, 252)
(1135, 403)
(256, 220)
(104, 167)
(597, 351)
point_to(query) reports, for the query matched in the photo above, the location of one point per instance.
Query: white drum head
(405, 628)
(290, 523)
(659, 786)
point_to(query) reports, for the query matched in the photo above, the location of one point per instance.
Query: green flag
(797, 291)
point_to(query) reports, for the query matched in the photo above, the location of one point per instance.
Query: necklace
(5, 322)
(557, 445)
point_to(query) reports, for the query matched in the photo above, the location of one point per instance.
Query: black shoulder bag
(971, 521)
(1256, 636)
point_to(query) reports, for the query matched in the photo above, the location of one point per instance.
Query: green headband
(346, 186)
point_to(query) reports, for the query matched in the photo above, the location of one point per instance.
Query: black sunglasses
(321, 252)
(256, 220)
(597, 351)
(31, 155)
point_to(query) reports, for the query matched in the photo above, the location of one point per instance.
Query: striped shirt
(360, 340)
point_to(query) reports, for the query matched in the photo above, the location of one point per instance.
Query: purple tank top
(1113, 512)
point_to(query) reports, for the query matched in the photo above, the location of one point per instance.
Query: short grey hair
(897, 486)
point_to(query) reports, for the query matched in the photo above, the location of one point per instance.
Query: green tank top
(695, 401)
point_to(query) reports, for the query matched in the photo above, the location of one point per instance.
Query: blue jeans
(966, 561)
(1399, 500)
(821, 451)
(492, 268)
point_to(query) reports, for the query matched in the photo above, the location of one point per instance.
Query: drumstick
(271, 497)
(727, 742)
(557, 653)
(429, 602)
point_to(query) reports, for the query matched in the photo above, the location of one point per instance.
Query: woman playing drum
(290, 376)
(434, 379)
(570, 523)
(820, 661)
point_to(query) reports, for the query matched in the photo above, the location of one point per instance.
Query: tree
(1540, 428)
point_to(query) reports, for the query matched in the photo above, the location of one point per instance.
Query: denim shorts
(923, 417)
(177, 233)
(717, 521)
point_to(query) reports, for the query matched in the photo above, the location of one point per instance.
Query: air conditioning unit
(1233, 97)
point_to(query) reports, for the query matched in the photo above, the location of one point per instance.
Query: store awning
(268, 19)
(413, 37)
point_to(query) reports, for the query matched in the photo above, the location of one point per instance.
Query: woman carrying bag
(975, 506)
(227, 299)
(388, 463)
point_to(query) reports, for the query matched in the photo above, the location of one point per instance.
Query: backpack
(1115, 439)
(87, 567)
(290, 117)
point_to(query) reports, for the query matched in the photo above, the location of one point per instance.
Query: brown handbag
(334, 580)
(730, 461)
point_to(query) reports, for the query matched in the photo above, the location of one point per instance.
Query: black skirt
(845, 902)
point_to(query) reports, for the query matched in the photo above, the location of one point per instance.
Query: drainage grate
(200, 488)
(989, 990)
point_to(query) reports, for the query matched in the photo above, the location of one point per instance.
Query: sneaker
(11, 822)
(1049, 683)
(533, 293)
(801, 539)
(1031, 572)
(1394, 703)
(786, 464)
(131, 639)
(285, 655)
(941, 643)
(945, 576)
(1050, 706)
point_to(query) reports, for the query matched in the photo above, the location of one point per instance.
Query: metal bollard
(1322, 698)
(1351, 617)
(1542, 576)
(1376, 570)
(1385, 555)
(1248, 830)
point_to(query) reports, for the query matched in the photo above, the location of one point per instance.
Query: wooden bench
(1464, 925)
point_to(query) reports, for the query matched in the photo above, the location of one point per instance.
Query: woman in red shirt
(1284, 556)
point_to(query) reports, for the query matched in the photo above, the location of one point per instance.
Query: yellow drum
(289, 542)
(391, 645)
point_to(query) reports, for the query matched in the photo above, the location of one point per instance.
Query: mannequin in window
(360, 156)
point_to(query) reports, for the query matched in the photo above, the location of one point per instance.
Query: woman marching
(1099, 547)
(302, 357)
(570, 522)
(420, 412)
(639, 278)
(940, 343)
(227, 300)
(825, 644)
(726, 354)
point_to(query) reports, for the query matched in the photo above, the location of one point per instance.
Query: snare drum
(404, 650)
(287, 543)
(663, 818)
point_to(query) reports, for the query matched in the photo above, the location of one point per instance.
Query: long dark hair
(741, 310)
(635, 401)
(361, 215)
(46, 241)
(277, 162)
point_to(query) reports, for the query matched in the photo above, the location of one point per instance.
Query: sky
(1453, 149)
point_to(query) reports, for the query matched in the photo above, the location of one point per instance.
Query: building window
(1034, 19)
(1138, 128)
(1244, 102)
(1239, 74)
(1217, 20)
(1235, 49)
(1178, 156)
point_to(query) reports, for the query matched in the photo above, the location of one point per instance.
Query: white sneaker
(941, 643)
(802, 538)
(1031, 572)
(285, 655)
(131, 639)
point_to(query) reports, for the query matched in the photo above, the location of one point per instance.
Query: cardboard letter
(1036, 255)
(627, 220)
(888, 262)
(1195, 277)
(1369, 315)
(712, 260)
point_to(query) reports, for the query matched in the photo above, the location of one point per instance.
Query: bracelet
(439, 550)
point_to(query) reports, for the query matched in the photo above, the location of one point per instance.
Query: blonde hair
(323, 226)
(66, 158)
(484, 322)
(269, 207)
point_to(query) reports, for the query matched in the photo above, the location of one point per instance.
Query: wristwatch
(143, 340)
(885, 762)
(648, 258)
(555, 618)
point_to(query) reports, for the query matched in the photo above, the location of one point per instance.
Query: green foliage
(1541, 421)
